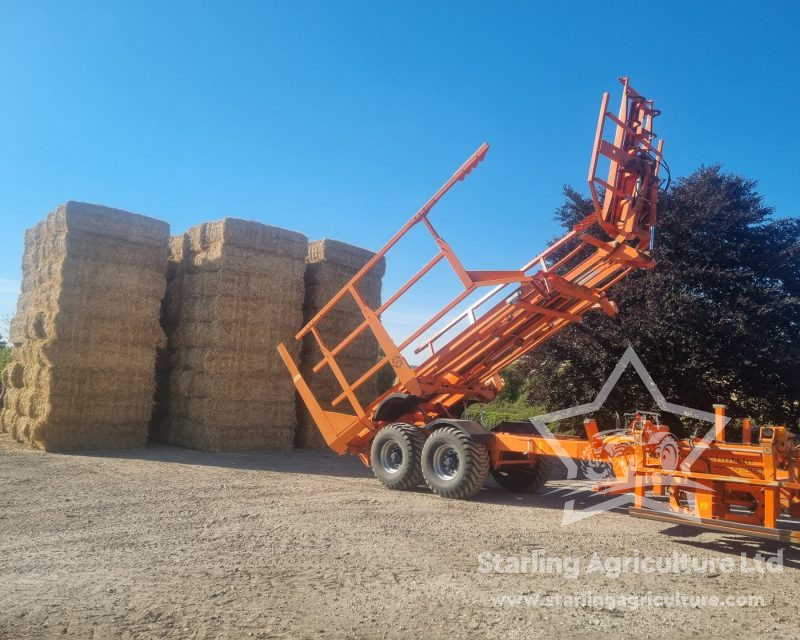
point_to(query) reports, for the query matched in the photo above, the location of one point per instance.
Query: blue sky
(339, 119)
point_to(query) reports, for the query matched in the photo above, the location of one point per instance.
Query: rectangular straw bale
(235, 291)
(250, 414)
(330, 265)
(48, 352)
(86, 329)
(211, 361)
(246, 286)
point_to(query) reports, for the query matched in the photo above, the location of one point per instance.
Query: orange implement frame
(551, 291)
(710, 483)
(745, 488)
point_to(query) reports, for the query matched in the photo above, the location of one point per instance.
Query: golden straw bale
(86, 330)
(235, 290)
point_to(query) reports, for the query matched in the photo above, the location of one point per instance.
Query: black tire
(395, 456)
(453, 465)
(519, 478)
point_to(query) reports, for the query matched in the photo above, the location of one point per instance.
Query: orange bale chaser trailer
(413, 434)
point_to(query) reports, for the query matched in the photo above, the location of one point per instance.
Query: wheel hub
(445, 461)
(391, 457)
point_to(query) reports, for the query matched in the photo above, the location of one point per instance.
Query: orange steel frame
(748, 486)
(552, 291)
(737, 487)
(740, 488)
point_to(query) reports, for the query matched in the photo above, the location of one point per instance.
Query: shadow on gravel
(548, 498)
(552, 496)
(734, 545)
(675, 534)
(305, 461)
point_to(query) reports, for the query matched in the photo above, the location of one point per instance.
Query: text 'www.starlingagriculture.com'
(633, 602)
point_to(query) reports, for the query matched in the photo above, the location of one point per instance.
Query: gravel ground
(166, 542)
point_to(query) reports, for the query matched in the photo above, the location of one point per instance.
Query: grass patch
(491, 414)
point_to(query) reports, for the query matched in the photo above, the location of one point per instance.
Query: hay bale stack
(235, 290)
(330, 265)
(86, 330)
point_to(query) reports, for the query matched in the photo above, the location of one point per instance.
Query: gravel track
(167, 542)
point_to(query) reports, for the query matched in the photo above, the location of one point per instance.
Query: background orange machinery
(710, 482)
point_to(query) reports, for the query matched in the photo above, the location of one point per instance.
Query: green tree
(5, 349)
(510, 404)
(5, 355)
(717, 319)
